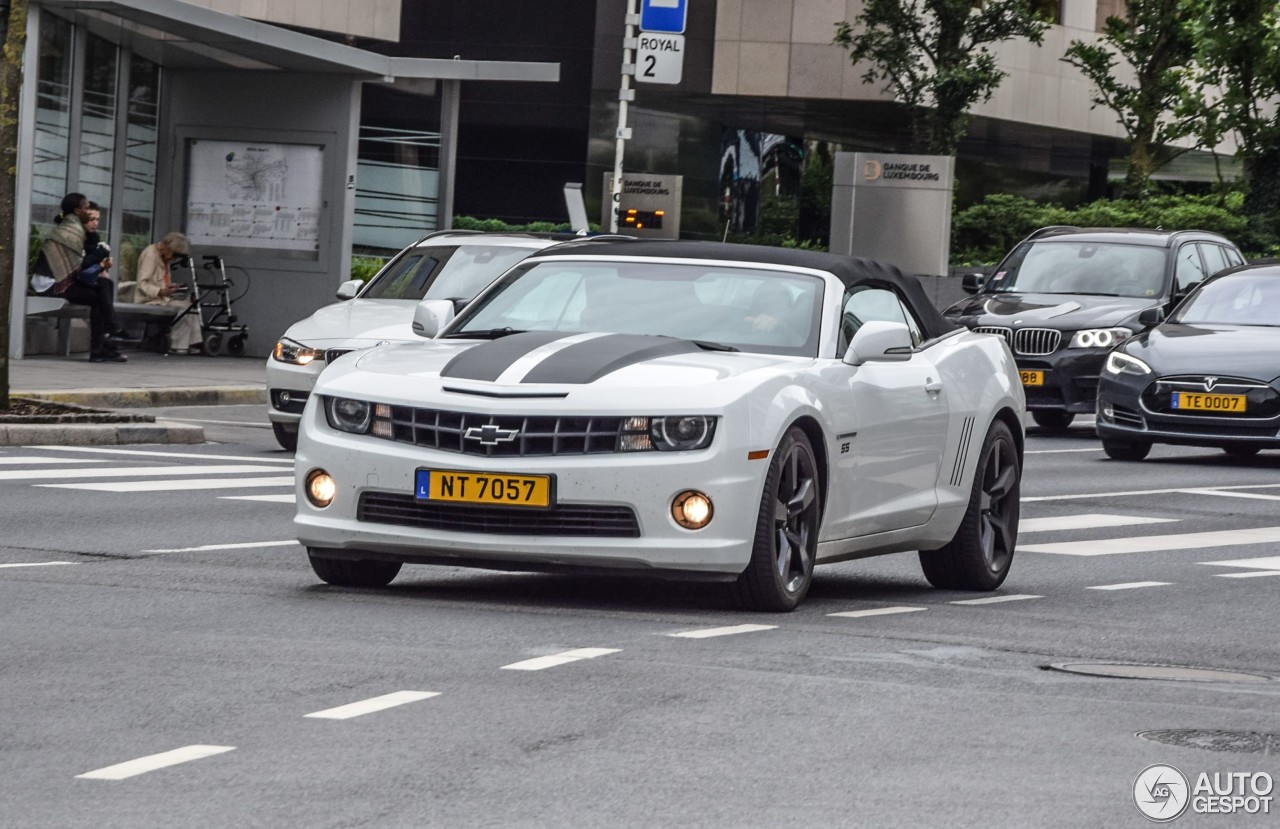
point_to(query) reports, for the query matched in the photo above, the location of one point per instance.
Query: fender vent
(962, 452)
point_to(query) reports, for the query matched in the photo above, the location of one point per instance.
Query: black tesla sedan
(1064, 296)
(1207, 376)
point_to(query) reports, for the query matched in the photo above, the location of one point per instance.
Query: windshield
(1239, 299)
(1098, 268)
(444, 271)
(750, 310)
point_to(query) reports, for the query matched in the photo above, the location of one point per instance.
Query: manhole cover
(1174, 672)
(1239, 742)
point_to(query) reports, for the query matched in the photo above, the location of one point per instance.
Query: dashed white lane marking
(244, 546)
(146, 453)
(186, 484)
(1029, 498)
(129, 472)
(1088, 521)
(14, 460)
(1255, 574)
(1012, 597)
(876, 611)
(707, 633)
(287, 498)
(1131, 585)
(38, 564)
(368, 706)
(1257, 495)
(1059, 451)
(1152, 543)
(1263, 563)
(142, 765)
(543, 662)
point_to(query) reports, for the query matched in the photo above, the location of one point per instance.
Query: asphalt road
(165, 615)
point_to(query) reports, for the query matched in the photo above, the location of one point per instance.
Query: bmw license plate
(1032, 378)
(1186, 400)
(490, 488)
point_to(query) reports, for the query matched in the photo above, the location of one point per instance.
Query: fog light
(692, 510)
(321, 488)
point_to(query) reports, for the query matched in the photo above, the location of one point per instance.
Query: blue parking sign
(663, 15)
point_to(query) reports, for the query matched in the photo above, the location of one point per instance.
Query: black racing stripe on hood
(588, 361)
(488, 360)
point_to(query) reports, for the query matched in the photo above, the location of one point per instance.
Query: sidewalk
(146, 380)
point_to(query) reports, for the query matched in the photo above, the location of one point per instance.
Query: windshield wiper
(708, 345)
(484, 334)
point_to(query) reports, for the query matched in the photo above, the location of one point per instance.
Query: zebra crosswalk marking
(1088, 521)
(182, 484)
(1154, 543)
(130, 471)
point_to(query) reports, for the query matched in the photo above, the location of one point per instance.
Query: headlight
(1120, 363)
(347, 415)
(287, 351)
(1100, 337)
(666, 434)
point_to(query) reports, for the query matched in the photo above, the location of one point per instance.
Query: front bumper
(288, 387)
(1070, 379)
(1123, 414)
(374, 512)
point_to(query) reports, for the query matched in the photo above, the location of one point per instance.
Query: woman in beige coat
(155, 286)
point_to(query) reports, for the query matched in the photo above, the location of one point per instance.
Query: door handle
(932, 386)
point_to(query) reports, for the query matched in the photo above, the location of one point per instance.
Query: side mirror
(431, 315)
(1151, 316)
(349, 289)
(886, 342)
(972, 282)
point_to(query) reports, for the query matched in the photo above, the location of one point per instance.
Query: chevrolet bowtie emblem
(1209, 383)
(490, 434)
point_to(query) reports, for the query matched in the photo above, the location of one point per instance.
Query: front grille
(289, 400)
(1262, 401)
(562, 520)
(1036, 342)
(1006, 333)
(331, 354)
(1223, 430)
(510, 435)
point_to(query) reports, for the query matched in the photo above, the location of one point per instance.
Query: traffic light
(643, 219)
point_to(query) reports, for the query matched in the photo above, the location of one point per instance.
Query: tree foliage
(1156, 44)
(934, 56)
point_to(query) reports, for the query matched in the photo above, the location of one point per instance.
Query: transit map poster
(254, 195)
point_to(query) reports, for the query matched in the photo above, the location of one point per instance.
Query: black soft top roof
(851, 270)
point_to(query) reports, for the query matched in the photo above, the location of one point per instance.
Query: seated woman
(155, 287)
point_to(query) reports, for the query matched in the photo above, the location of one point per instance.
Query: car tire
(780, 571)
(1241, 450)
(1052, 420)
(348, 573)
(1126, 450)
(286, 437)
(978, 557)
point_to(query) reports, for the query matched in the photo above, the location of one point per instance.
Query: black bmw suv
(1065, 295)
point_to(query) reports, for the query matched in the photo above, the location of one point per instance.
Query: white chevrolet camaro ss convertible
(678, 408)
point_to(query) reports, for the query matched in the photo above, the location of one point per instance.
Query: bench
(63, 312)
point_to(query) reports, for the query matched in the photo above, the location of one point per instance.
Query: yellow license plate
(491, 488)
(1209, 402)
(1032, 378)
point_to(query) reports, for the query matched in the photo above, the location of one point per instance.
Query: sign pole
(625, 95)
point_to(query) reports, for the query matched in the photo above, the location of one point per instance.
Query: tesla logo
(1209, 383)
(490, 434)
(871, 170)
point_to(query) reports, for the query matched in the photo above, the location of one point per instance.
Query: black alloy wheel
(350, 573)
(1126, 450)
(978, 557)
(286, 437)
(786, 541)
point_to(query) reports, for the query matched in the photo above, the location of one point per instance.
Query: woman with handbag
(66, 270)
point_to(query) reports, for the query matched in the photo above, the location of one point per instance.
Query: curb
(140, 398)
(98, 434)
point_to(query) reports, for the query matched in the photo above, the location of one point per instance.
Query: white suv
(445, 265)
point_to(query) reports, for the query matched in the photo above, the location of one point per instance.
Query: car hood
(372, 320)
(1228, 350)
(553, 365)
(1060, 311)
